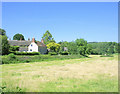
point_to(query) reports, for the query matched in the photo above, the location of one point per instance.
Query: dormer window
(31, 45)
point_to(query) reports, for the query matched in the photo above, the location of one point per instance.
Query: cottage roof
(23, 43)
(19, 42)
(40, 44)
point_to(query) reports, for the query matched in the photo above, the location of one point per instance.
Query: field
(94, 74)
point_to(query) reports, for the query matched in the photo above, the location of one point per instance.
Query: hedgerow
(36, 58)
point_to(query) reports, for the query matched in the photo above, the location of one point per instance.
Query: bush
(37, 58)
(5, 61)
(12, 49)
(27, 61)
(27, 53)
(64, 53)
(11, 56)
(52, 53)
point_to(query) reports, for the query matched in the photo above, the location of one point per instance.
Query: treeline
(77, 47)
(82, 47)
(102, 48)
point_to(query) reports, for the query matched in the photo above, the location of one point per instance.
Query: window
(31, 45)
(30, 49)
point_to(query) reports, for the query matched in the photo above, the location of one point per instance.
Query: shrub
(5, 61)
(12, 49)
(27, 53)
(64, 53)
(27, 61)
(11, 56)
(52, 53)
(38, 58)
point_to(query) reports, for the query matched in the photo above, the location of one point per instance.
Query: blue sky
(66, 21)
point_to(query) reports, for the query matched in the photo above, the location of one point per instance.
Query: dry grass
(43, 76)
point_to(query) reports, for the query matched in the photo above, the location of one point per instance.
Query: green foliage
(81, 46)
(54, 47)
(119, 47)
(47, 37)
(64, 53)
(89, 49)
(116, 48)
(63, 45)
(53, 53)
(18, 37)
(27, 53)
(111, 49)
(81, 42)
(37, 58)
(4, 48)
(13, 49)
(82, 50)
(72, 48)
(2, 32)
(103, 48)
(11, 56)
(0, 45)
(5, 45)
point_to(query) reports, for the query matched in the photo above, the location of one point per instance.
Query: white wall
(33, 47)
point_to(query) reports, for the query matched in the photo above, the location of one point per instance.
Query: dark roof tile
(23, 43)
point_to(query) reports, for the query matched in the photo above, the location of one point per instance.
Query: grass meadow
(94, 74)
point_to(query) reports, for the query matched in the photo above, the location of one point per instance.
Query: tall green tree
(2, 32)
(72, 48)
(18, 37)
(111, 49)
(81, 45)
(89, 49)
(116, 48)
(81, 42)
(4, 43)
(47, 37)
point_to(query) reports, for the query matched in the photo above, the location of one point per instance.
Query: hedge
(12, 59)
(53, 53)
(64, 53)
(27, 53)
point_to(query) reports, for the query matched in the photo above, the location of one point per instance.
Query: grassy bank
(94, 74)
(36, 58)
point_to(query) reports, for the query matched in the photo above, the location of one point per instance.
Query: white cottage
(33, 47)
(29, 46)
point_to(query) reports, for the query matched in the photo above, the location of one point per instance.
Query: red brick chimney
(42, 41)
(33, 39)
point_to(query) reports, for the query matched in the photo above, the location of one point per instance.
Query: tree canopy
(103, 48)
(2, 32)
(47, 37)
(18, 37)
(4, 42)
(53, 47)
